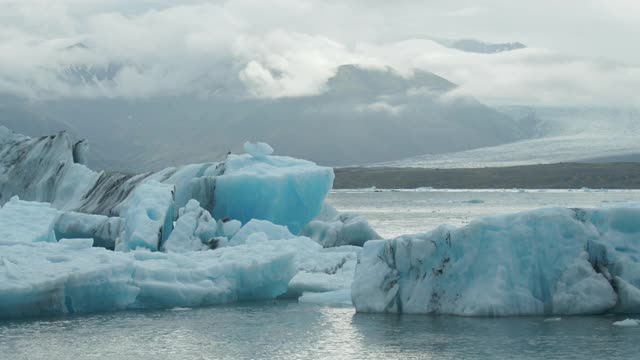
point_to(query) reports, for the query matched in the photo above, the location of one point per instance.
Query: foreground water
(288, 330)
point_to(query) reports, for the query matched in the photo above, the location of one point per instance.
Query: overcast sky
(581, 52)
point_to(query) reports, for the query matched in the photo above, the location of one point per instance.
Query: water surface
(287, 330)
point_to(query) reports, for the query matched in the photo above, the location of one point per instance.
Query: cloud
(381, 107)
(465, 12)
(291, 48)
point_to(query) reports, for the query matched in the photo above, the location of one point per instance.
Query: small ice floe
(553, 319)
(180, 309)
(627, 323)
(474, 201)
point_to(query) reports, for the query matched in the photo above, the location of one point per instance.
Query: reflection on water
(287, 330)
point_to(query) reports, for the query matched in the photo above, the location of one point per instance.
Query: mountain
(364, 116)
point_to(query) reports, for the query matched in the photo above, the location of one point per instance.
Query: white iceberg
(543, 262)
(195, 230)
(331, 228)
(627, 323)
(55, 278)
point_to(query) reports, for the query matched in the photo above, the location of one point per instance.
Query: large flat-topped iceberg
(550, 261)
(73, 277)
(283, 190)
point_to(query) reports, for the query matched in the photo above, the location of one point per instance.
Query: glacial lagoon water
(288, 330)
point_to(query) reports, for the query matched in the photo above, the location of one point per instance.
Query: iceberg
(542, 262)
(280, 189)
(58, 257)
(74, 277)
(627, 323)
(344, 229)
(323, 270)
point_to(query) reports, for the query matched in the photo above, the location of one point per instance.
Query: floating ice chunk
(194, 229)
(258, 150)
(271, 231)
(323, 271)
(26, 222)
(282, 190)
(339, 298)
(148, 217)
(344, 229)
(627, 323)
(543, 262)
(70, 277)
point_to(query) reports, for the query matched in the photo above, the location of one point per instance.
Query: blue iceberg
(543, 262)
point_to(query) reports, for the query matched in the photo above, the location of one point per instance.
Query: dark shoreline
(551, 176)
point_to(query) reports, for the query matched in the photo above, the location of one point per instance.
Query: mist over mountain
(363, 116)
(158, 83)
(476, 46)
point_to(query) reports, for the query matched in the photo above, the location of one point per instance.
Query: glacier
(542, 262)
